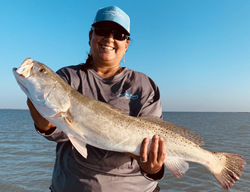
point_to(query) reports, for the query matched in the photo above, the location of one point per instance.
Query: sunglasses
(106, 32)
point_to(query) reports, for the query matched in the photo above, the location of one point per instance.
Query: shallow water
(27, 159)
(228, 132)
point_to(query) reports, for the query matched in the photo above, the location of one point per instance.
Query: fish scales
(88, 121)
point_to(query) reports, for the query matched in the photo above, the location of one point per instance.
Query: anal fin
(176, 166)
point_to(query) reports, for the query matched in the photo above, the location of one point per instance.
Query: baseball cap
(113, 14)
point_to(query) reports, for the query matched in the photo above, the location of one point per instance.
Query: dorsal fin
(190, 135)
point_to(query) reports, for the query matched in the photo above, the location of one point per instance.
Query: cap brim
(111, 24)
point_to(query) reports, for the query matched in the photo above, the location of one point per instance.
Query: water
(27, 159)
(228, 132)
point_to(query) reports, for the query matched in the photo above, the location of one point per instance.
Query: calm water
(27, 159)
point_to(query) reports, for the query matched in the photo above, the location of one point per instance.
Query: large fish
(88, 121)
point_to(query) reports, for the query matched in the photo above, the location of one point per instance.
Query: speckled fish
(88, 121)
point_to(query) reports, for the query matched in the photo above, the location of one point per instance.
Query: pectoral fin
(79, 145)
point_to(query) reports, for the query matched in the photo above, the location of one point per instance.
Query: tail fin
(233, 166)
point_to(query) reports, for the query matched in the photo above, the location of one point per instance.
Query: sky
(197, 51)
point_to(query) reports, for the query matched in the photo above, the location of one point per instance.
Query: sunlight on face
(106, 49)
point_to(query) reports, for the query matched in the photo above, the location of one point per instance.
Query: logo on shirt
(127, 95)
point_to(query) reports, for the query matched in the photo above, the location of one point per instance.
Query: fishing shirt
(103, 170)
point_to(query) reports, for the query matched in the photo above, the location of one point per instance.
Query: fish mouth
(24, 71)
(19, 78)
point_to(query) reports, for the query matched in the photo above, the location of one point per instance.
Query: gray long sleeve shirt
(104, 170)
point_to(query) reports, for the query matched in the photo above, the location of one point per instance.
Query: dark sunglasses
(106, 32)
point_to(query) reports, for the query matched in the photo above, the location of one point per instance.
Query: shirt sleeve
(155, 177)
(56, 135)
(152, 106)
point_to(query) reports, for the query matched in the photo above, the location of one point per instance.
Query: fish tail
(232, 168)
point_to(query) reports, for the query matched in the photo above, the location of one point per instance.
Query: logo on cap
(114, 13)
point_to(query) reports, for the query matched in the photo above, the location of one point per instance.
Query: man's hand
(151, 163)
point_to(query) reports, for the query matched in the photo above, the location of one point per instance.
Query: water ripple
(27, 159)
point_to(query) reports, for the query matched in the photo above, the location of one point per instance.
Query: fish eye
(42, 70)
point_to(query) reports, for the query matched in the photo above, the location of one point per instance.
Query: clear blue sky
(197, 51)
